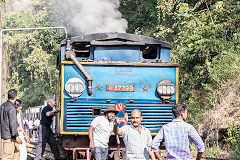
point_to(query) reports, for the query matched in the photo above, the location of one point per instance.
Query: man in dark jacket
(8, 123)
(45, 132)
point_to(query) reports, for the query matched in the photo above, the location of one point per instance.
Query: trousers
(100, 153)
(46, 136)
(10, 150)
(22, 147)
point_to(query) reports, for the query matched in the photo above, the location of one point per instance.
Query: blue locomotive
(103, 69)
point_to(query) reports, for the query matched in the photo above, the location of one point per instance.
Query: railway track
(48, 155)
(31, 151)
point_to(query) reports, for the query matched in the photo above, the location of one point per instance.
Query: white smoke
(94, 16)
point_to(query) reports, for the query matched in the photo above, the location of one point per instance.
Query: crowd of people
(138, 140)
(31, 127)
(16, 130)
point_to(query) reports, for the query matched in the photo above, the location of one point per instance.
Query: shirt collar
(107, 119)
(135, 128)
(10, 102)
(177, 120)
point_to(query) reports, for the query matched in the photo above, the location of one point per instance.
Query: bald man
(137, 138)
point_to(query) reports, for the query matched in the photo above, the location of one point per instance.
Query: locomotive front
(103, 69)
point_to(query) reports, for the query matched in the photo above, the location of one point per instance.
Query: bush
(234, 139)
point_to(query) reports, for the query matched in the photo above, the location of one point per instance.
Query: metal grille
(78, 115)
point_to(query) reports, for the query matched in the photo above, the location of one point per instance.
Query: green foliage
(212, 152)
(141, 15)
(30, 56)
(234, 139)
(205, 42)
(204, 34)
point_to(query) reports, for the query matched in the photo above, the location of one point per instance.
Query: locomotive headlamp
(75, 87)
(166, 89)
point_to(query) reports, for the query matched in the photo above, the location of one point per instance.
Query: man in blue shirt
(176, 136)
(45, 132)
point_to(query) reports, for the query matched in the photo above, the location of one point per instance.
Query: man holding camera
(45, 132)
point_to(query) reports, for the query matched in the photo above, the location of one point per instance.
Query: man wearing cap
(100, 132)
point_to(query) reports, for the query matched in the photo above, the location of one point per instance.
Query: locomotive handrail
(71, 55)
(115, 42)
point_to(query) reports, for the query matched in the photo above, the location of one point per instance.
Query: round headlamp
(166, 89)
(74, 87)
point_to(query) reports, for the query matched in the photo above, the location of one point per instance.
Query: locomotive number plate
(124, 88)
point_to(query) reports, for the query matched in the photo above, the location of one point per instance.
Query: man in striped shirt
(176, 136)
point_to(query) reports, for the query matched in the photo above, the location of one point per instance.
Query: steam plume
(79, 16)
(94, 16)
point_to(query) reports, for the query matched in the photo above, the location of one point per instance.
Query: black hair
(12, 93)
(18, 103)
(178, 109)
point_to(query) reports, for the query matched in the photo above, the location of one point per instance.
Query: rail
(31, 150)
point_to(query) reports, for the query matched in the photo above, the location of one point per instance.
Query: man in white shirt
(36, 125)
(136, 137)
(100, 132)
(30, 127)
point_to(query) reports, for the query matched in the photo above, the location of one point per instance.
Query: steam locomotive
(103, 69)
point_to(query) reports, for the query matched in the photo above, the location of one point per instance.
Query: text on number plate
(124, 88)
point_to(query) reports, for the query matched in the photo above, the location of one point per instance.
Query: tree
(31, 56)
(141, 16)
(205, 42)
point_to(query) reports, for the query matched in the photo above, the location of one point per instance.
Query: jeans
(100, 153)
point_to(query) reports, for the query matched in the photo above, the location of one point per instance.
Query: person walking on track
(30, 127)
(36, 126)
